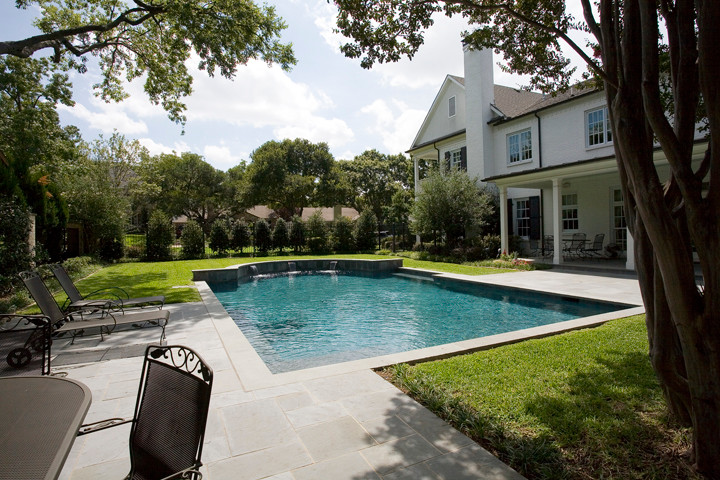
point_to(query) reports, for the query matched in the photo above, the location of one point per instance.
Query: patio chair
(574, 248)
(24, 345)
(595, 249)
(76, 322)
(168, 426)
(548, 247)
(120, 300)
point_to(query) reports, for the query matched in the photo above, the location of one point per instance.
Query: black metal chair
(120, 298)
(24, 345)
(168, 428)
(574, 248)
(595, 249)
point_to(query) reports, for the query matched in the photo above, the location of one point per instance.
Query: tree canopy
(628, 43)
(154, 40)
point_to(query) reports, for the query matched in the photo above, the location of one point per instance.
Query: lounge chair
(168, 427)
(24, 345)
(76, 322)
(121, 300)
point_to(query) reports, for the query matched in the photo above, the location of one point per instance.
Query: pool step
(423, 278)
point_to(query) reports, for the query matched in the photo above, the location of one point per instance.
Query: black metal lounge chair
(24, 345)
(595, 249)
(120, 299)
(78, 321)
(168, 427)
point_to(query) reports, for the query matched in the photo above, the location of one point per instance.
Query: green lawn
(141, 279)
(584, 404)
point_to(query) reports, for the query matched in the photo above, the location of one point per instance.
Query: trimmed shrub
(159, 238)
(365, 231)
(316, 233)
(280, 235)
(342, 235)
(297, 234)
(15, 256)
(240, 237)
(263, 239)
(192, 241)
(219, 237)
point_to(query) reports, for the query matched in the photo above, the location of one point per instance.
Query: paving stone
(444, 437)
(334, 438)
(262, 463)
(384, 403)
(113, 469)
(399, 453)
(346, 467)
(384, 429)
(256, 425)
(472, 463)
(328, 389)
(303, 417)
(419, 471)
(293, 401)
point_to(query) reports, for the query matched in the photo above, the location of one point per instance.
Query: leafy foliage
(15, 256)
(240, 236)
(263, 236)
(316, 233)
(280, 235)
(160, 237)
(155, 41)
(192, 241)
(365, 232)
(219, 237)
(297, 234)
(342, 235)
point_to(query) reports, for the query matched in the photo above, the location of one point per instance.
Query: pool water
(303, 320)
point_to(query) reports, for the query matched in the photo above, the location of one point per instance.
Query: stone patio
(336, 422)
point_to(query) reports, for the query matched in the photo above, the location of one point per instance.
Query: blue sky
(325, 98)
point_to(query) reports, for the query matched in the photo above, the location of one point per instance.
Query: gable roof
(448, 80)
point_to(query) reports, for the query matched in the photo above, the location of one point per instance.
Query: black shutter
(510, 216)
(463, 159)
(447, 160)
(535, 218)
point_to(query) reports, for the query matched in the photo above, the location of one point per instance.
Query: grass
(141, 279)
(584, 404)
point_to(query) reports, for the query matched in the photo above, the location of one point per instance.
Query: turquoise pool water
(304, 320)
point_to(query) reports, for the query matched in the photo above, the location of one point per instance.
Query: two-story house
(551, 157)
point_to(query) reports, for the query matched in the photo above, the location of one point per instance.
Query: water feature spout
(253, 270)
(333, 265)
(292, 267)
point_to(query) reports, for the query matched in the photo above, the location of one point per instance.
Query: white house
(551, 157)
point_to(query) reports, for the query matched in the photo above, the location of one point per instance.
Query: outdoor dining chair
(168, 427)
(120, 298)
(595, 249)
(77, 322)
(575, 246)
(24, 345)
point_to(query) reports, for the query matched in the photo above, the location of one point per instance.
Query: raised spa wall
(236, 272)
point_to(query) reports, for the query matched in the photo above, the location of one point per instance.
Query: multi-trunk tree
(658, 65)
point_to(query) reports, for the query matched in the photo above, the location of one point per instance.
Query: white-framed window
(451, 107)
(570, 222)
(619, 233)
(522, 217)
(519, 147)
(597, 127)
(455, 158)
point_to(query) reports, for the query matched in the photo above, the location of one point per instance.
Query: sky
(326, 97)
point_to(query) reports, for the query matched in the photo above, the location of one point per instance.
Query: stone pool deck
(337, 422)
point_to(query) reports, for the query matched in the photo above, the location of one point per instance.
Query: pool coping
(254, 374)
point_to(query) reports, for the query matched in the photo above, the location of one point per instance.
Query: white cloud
(220, 156)
(106, 117)
(156, 148)
(395, 123)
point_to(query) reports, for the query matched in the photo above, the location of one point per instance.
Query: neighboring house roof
(260, 211)
(328, 213)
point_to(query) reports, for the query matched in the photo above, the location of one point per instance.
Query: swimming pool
(307, 319)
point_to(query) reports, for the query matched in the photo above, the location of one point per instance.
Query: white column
(557, 220)
(504, 241)
(416, 171)
(630, 258)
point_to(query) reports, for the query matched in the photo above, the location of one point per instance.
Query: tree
(262, 235)
(219, 237)
(289, 175)
(280, 235)
(15, 254)
(159, 237)
(192, 241)
(297, 234)
(646, 103)
(155, 40)
(240, 237)
(365, 231)
(450, 203)
(316, 233)
(187, 185)
(375, 178)
(342, 235)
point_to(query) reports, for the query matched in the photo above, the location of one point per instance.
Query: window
(619, 233)
(451, 107)
(598, 127)
(522, 216)
(455, 159)
(519, 146)
(570, 213)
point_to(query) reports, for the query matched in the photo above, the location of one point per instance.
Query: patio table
(39, 419)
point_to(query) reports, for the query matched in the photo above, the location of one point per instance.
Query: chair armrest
(110, 291)
(101, 425)
(36, 319)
